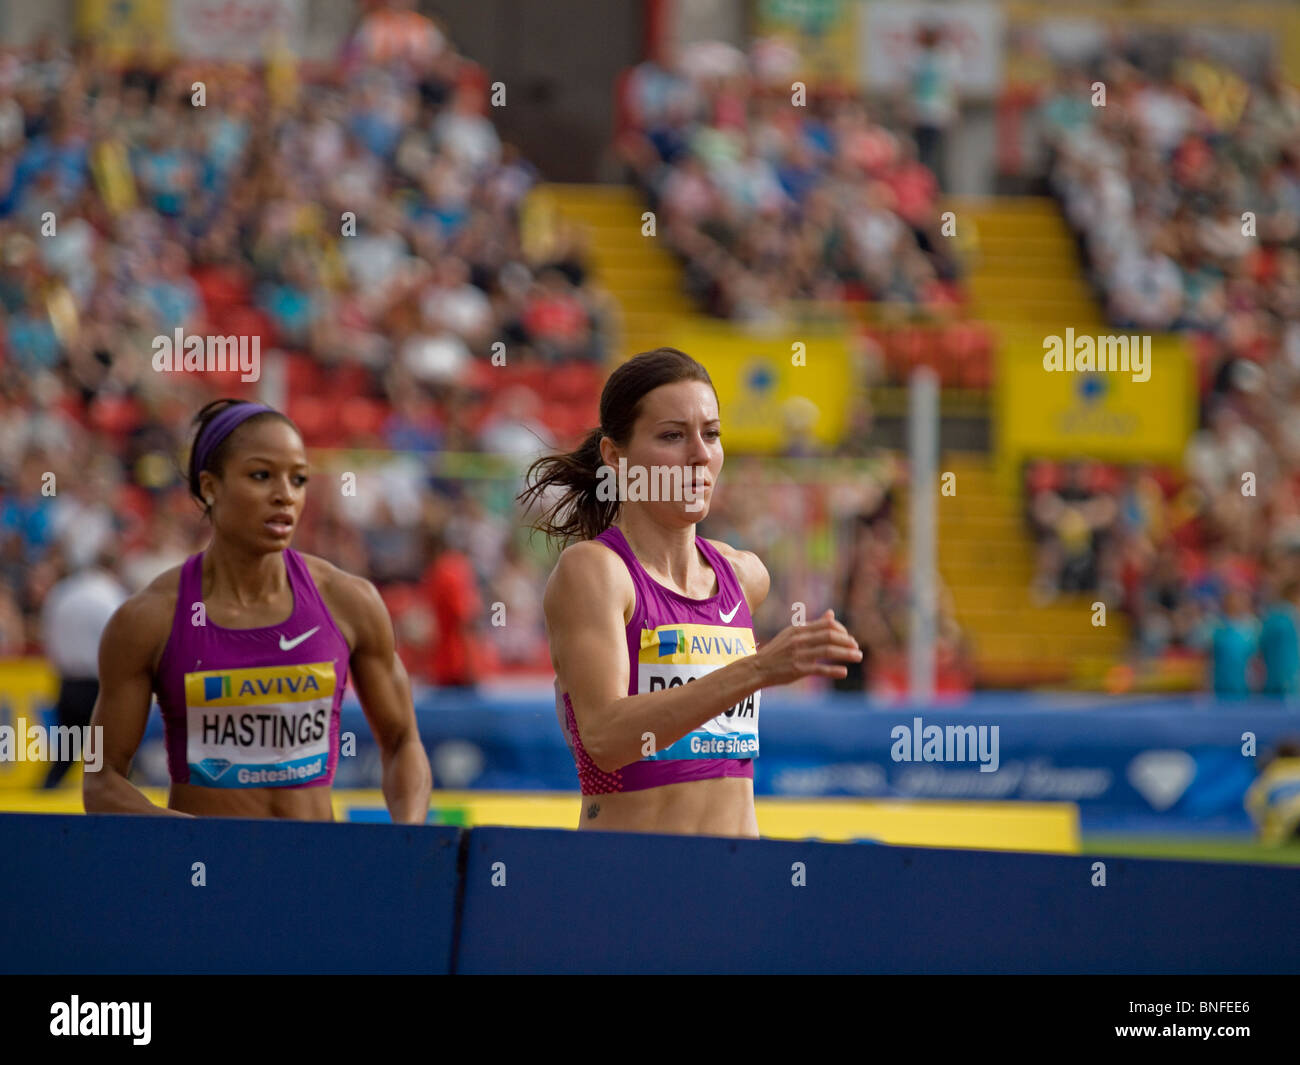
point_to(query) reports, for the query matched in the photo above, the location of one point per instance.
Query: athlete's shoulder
(321, 569)
(353, 601)
(143, 621)
(338, 586)
(157, 598)
(585, 573)
(750, 571)
(589, 553)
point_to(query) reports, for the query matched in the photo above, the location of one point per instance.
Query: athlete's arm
(584, 602)
(126, 652)
(385, 692)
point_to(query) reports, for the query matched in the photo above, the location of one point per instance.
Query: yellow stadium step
(1023, 205)
(986, 561)
(1030, 646)
(649, 301)
(1015, 289)
(1027, 247)
(581, 193)
(653, 272)
(644, 279)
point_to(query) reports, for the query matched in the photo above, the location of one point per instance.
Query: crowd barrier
(116, 894)
(122, 894)
(1151, 765)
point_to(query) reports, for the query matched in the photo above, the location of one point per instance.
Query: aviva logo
(671, 641)
(257, 687)
(695, 644)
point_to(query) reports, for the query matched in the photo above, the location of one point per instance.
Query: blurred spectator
(13, 630)
(1279, 643)
(520, 639)
(1273, 800)
(392, 550)
(1070, 523)
(73, 619)
(450, 587)
(1234, 642)
(933, 72)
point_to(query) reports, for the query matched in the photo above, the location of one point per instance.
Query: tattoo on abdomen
(593, 810)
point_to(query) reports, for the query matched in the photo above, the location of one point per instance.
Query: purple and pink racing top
(252, 708)
(673, 640)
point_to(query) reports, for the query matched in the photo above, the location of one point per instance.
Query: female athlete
(248, 645)
(651, 635)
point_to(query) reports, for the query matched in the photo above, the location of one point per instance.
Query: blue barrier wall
(596, 902)
(1132, 764)
(102, 894)
(113, 894)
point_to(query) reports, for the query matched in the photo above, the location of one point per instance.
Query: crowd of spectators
(127, 212)
(1144, 538)
(226, 220)
(1184, 190)
(768, 200)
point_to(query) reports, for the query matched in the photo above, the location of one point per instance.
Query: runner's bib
(673, 655)
(257, 728)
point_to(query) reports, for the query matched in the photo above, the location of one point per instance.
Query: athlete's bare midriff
(298, 804)
(723, 806)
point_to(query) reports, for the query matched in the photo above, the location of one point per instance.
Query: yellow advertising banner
(820, 36)
(28, 687)
(1111, 397)
(1043, 827)
(774, 389)
(120, 27)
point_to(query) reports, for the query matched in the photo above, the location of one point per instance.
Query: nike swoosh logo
(728, 617)
(289, 645)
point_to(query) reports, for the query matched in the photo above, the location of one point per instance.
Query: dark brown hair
(584, 515)
(217, 460)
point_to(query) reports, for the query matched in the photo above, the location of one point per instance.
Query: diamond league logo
(1161, 777)
(214, 767)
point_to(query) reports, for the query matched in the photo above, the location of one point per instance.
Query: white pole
(923, 453)
(273, 385)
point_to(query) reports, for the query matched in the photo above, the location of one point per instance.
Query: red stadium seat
(480, 376)
(1170, 481)
(360, 416)
(1042, 476)
(977, 371)
(115, 415)
(314, 417)
(303, 376)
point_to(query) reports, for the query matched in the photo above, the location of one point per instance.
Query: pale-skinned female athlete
(650, 626)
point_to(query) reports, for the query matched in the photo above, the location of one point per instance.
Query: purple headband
(223, 425)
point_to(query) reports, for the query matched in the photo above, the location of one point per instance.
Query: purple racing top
(673, 640)
(252, 708)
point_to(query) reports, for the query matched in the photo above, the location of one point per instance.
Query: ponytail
(579, 513)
